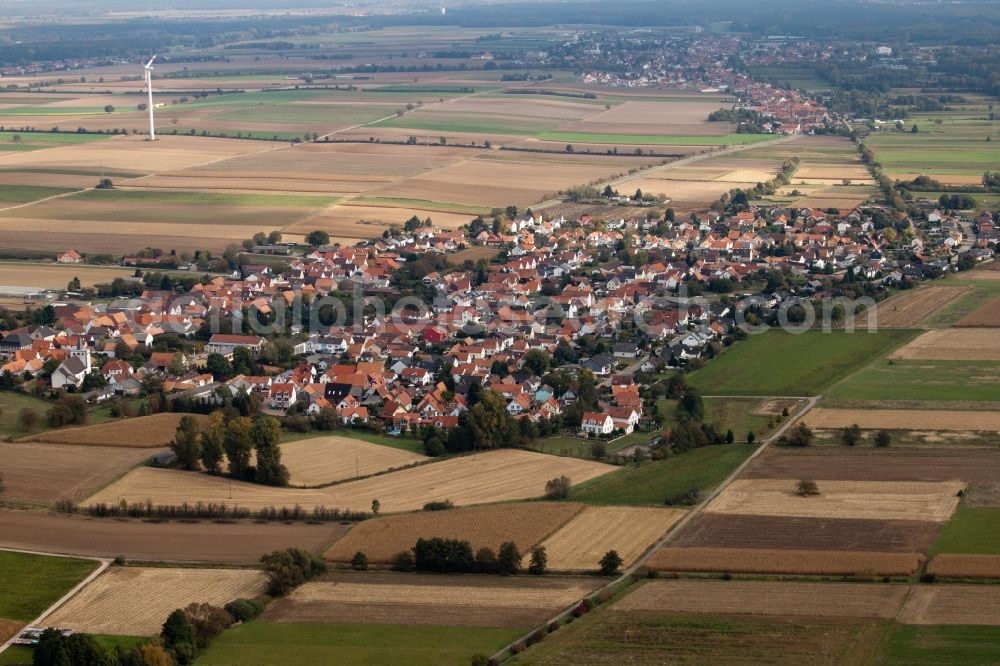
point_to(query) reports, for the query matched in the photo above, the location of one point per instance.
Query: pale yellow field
(57, 276)
(440, 595)
(495, 476)
(581, 543)
(953, 604)
(904, 419)
(953, 344)
(320, 460)
(135, 601)
(878, 500)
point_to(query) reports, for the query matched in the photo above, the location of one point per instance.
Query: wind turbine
(149, 91)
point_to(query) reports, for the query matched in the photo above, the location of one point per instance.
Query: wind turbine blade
(150, 63)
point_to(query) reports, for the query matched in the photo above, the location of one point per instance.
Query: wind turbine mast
(149, 91)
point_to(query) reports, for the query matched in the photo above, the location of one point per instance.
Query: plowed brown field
(136, 601)
(910, 308)
(495, 476)
(142, 432)
(953, 604)
(987, 315)
(581, 543)
(793, 562)
(758, 598)
(965, 566)
(320, 460)
(903, 419)
(899, 500)
(953, 344)
(525, 524)
(718, 530)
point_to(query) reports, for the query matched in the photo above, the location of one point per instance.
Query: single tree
(266, 435)
(610, 563)
(376, 507)
(508, 559)
(539, 561)
(178, 634)
(730, 437)
(557, 488)
(318, 238)
(109, 109)
(751, 437)
(883, 438)
(186, 446)
(850, 435)
(806, 488)
(486, 561)
(238, 443)
(360, 561)
(212, 437)
(74, 285)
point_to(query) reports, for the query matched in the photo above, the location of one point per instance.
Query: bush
(287, 569)
(207, 621)
(557, 488)
(689, 497)
(883, 439)
(439, 506)
(244, 610)
(537, 636)
(402, 561)
(610, 563)
(360, 561)
(807, 488)
(480, 660)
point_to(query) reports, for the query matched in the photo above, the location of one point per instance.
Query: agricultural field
(472, 601)
(952, 345)
(785, 562)
(188, 541)
(987, 315)
(57, 276)
(322, 460)
(354, 644)
(495, 476)
(741, 415)
(41, 473)
(909, 309)
(933, 501)
(965, 566)
(903, 419)
(135, 601)
(526, 524)
(971, 531)
(953, 604)
(652, 483)
(766, 598)
(785, 364)
(581, 543)
(141, 432)
(29, 584)
(924, 382)
(932, 645)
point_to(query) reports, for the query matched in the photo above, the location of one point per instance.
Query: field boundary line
(626, 579)
(103, 565)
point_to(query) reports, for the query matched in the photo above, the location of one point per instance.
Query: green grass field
(979, 291)
(321, 114)
(724, 414)
(405, 443)
(923, 380)
(653, 482)
(657, 139)
(206, 198)
(51, 137)
(31, 583)
(914, 645)
(11, 405)
(781, 363)
(971, 531)
(485, 124)
(352, 644)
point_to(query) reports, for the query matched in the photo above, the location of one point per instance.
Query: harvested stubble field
(903, 419)
(791, 562)
(763, 598)
(135, 601)
(580, 543)
(9, 629)
(141, 432)
(496, 476)
(718, 530)
(438, 600)
(990, 273)
(950, 344)
(525, 524)
(987, 315)
(876, 500)
(953, 604)
(951, 565)
(56, 276)
(39, 473)
(149, 541)
(910, 308)
(320, 460)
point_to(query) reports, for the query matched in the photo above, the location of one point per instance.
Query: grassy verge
(349, 644)
(31, 583)
(653, 482)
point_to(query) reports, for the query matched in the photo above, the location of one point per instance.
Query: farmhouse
(69, 257)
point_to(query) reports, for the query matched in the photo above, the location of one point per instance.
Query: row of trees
(232, 442)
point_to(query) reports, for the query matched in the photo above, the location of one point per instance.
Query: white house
(597, 423)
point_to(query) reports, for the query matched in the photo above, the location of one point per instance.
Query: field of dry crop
(986, 315)
(439, 600)
(56, 276)
(319, 460)
(953, 604)
(141, 432)
(761, 598)
(8, 629)
(904, 419)
(792, 562)
(952, 565)
(580, 543)
(899, 500)
(950, 344)
(909, 308)
(129, 601)
(496, 476)
(38, 473)
(525, 524)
